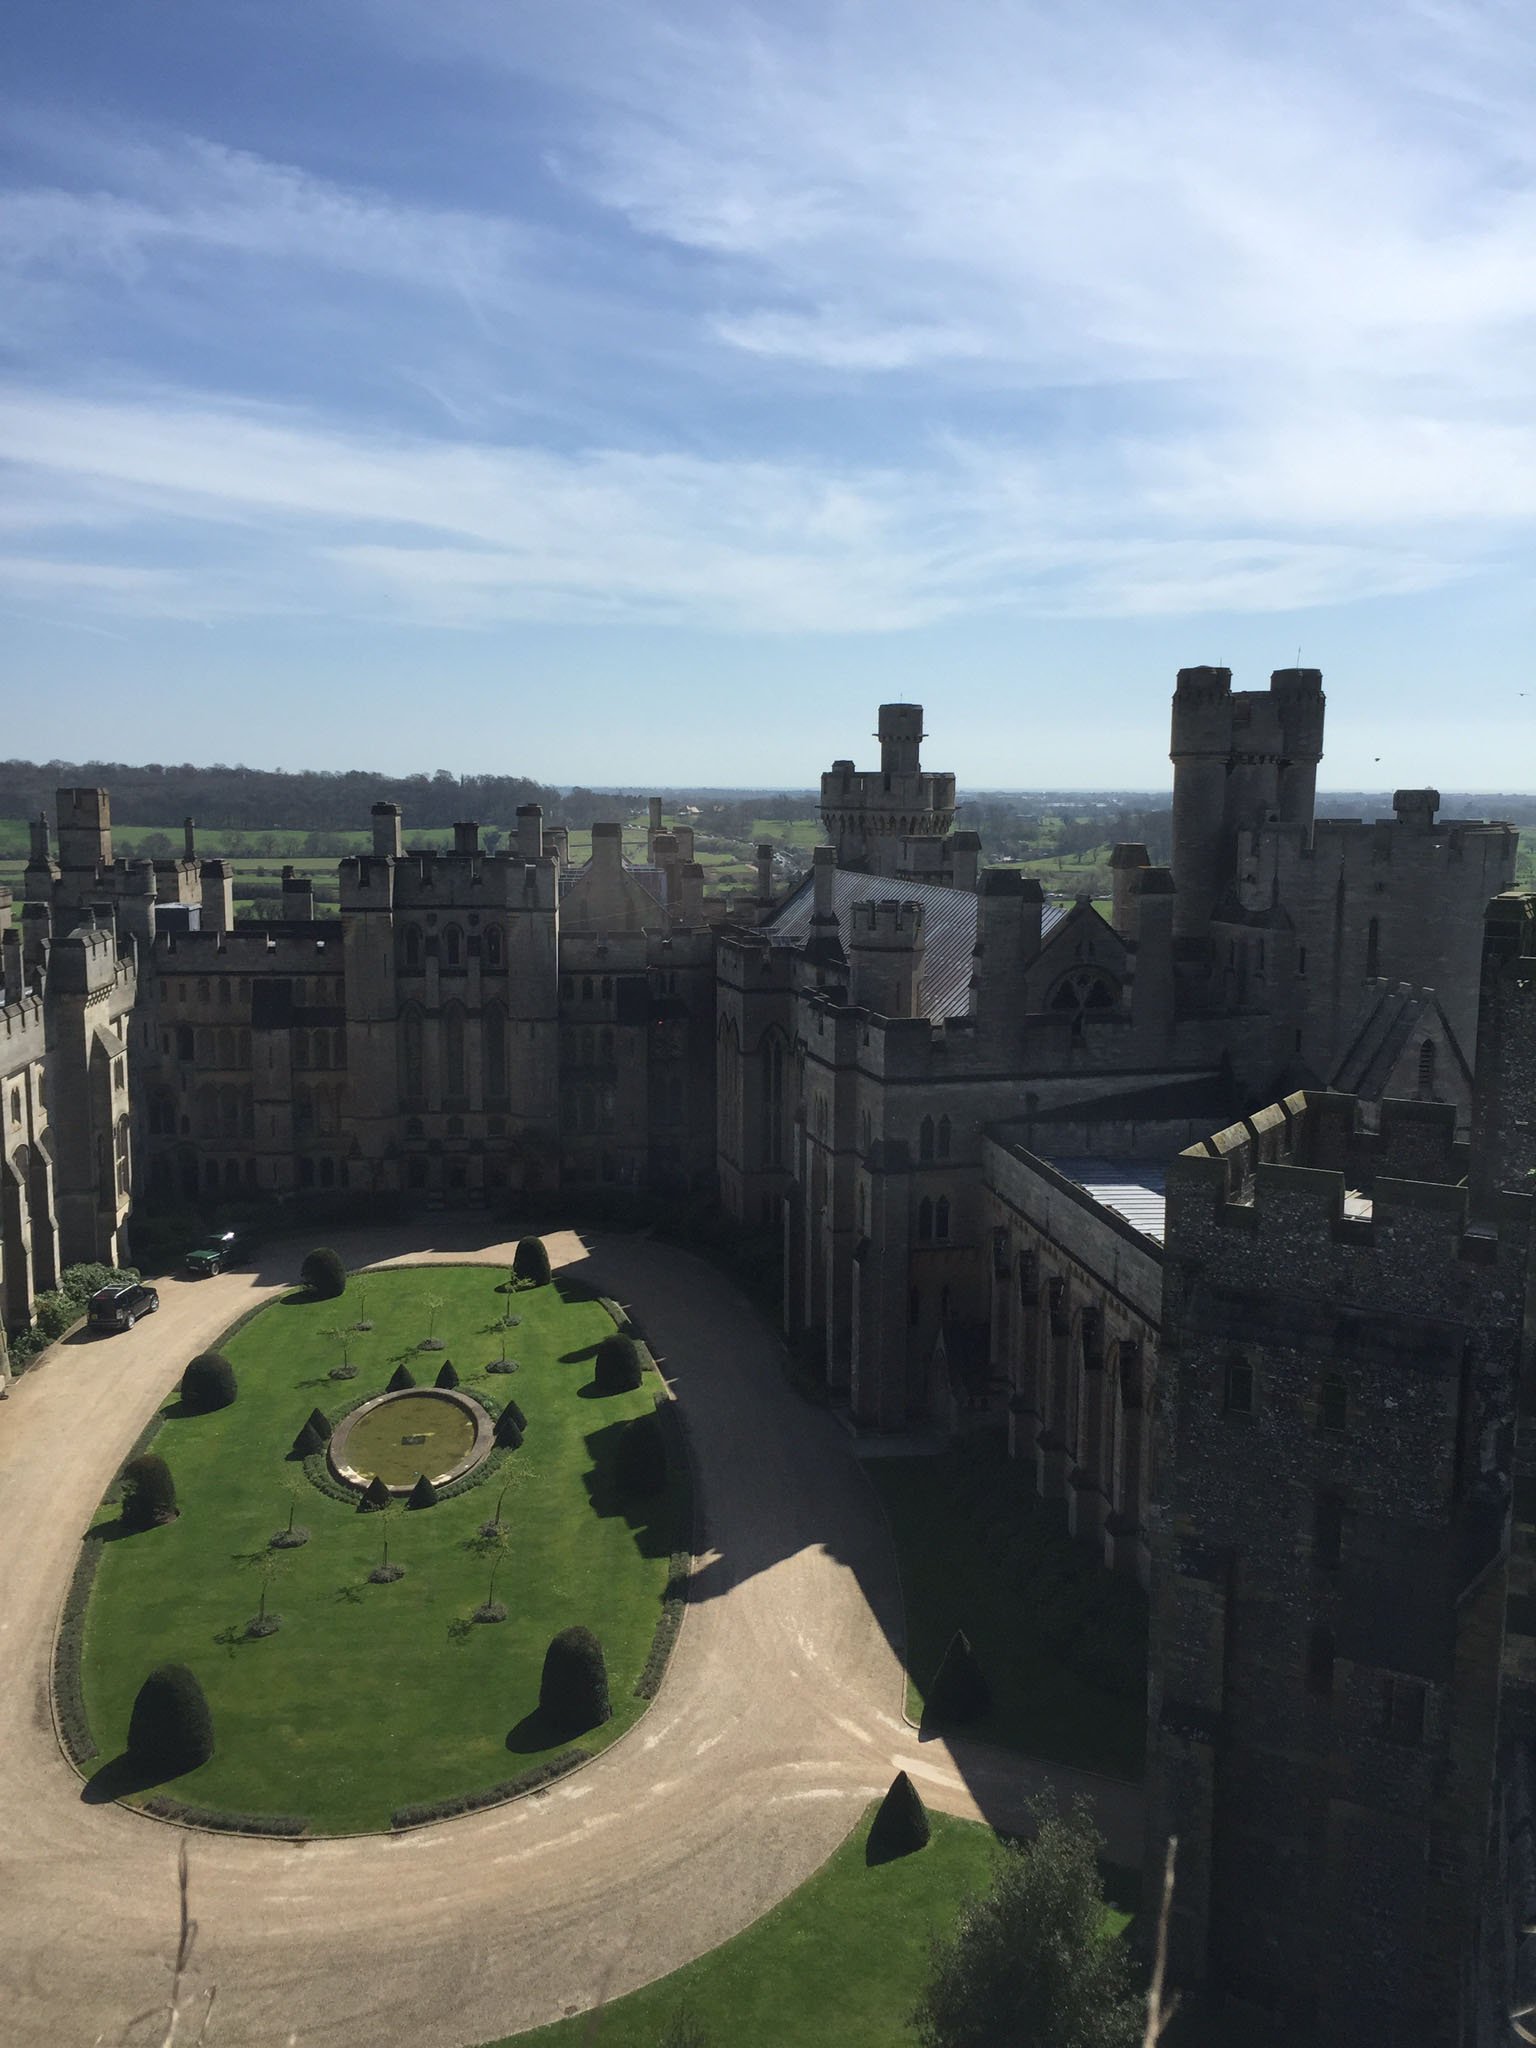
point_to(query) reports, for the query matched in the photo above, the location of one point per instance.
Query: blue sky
(641, 393)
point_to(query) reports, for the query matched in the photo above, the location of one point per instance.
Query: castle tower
(85, 828)
(885, 944)
(870, 815)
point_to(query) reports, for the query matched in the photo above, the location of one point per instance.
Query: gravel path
(780, 1717)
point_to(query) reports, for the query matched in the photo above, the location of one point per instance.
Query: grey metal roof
(1133, 1188)
(949, 929)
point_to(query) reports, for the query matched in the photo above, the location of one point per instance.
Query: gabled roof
(949, 929)
(1391, 1015)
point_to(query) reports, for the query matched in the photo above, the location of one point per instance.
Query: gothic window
(1237, 1396)
(207, 1049)
(162, 1115)
(414, 1127)
(1333, 1404)
(493, 1049)
(772, 1100)
(941, 1219)
(493, 952)
(1085, 992)
(453, 1050)
(327, 1173)
(303, 1113)
(207, 1105)
(223, 995)
(231, 1173)
(1301, 959)
(586, 988)
(412, 1067)
(453, 946)
(1373, 949)
(306, 1173)
(211, 1175)
(203, 991)
(589, 1048)
(410, 948)
(925, 1221)
(15, 1105)
(247, 1113)
(301, 1048)
(925, 1138)
(944, 1137)
(455, 1127)
(322, 1054)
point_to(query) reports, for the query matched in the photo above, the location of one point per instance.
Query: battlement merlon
(887, 923)
(254, 949)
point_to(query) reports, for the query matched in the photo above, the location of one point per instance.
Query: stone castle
(1273, 1373)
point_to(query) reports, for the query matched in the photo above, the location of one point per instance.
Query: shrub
(617, 1368)
(149, 1492)
(375, 1495)
(307, 1442)
(423, 1494)
(509, 1431)
(323, 1274)
(530, 1261)
(399, 1380)
(573, 1691)
(446, 1376)
(640, 1465)
(514, 1414)
(320, 1423)
(959, 1691)
(901, 1825)
(208, 1383)
(171, 1729)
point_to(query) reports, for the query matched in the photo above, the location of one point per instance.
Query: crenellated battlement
(886, 922)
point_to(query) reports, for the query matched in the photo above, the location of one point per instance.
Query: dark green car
(227, 1249)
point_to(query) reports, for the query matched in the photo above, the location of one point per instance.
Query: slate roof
(949, 929)
(1134, 1189)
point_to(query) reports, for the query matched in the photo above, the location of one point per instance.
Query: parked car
(229, 1248)
(119, 1308)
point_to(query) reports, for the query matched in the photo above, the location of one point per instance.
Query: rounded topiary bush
(323, 1274)
(149, 1492)
(959, 1691)
(423, 1494)
(446, 1376)
(640, 1464)
(208, 1383)
(170, 1729)
(901, 1825)
(573, 1691)
(509, 1431)
(375, 1495)
(617, 1368)
(530, 1262)
(399, 1380)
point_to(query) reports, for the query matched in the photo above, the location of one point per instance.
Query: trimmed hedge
(208, 1383)
(617, 1368)
(901, 1825)
(674, 1601)
(573, 1687)
(960, 1691)
(68, 1681)
(530, 1261)
(640, 1463)
(492, 1795)
(423, 1494)
(323, 1274)
(285, 1824)
(149, 1492)
(170, 1729)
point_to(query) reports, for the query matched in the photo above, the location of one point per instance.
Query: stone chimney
(218, 887)
(298, 895)
(466, 837)
(189, 839)
(764, 861)
(386, 831)
(1125, 865)
(530, 832)
(607, 849)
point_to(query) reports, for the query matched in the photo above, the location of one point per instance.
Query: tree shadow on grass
(302, 1297)
(121, 1778)
(111, 1532)
(536, 1733)
(576, 1357)
(652, 1518)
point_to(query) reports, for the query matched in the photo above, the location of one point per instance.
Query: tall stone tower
(874, 817)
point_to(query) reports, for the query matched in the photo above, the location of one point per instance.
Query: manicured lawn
(839, 1964)
(979, 1553)
(371, 1697)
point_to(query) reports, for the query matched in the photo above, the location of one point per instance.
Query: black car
(119, 1308)
(228, 1248)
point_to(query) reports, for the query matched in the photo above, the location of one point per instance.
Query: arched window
(941, 1219)
(453, 1050)
(231, 1166)
(207, 1107)
(412, 1069)
(493, 952)
(455, 1127)
(453, 946)
(327, 1173)
(338, 1047)
(586, 988)
(410, 948)
(605, 1046)
(772, 1099)
(184, 1041)
(223, 995)
(607, 987)
(925, 1138)
(493, 1052)
(301, 1048)
(943, 1137)
(1427, 1067)
(211, 1175)
(925, 1221)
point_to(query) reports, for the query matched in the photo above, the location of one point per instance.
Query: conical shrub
(149, 1492)
(531, 1261)
(511, 1409)
(509, 1432)
(423, 1494)
(617, 1368)
(573, 1691)
(640, 1464)
(959, 1691)
(208, 1383)
(900, 1826)
(307, 1442)
(399, 1380)
(375, 1495)
(170, 1729)
(320, 1423)
(446, 1376)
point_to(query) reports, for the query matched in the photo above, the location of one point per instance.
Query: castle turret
(886, 956)
(85, 828)
(901, 738)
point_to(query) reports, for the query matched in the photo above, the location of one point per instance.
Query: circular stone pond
(398, 1437)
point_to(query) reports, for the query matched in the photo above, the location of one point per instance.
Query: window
(453, 946)
(1301, 959)
(943, 1137)
(493, 1051)
(410, 948)
(15, 1105)
(925, 1138)
(184, 1041)
(941, 1219)
(411, 1067)
(453, 1050)
(493, 953)
(224, 995)
(924, 1221)
(914, 1307)
(1402, 1709)
(607, 988)
(586, 988)
(1333, 1404)
(1237, 1396)
(1320, 1660)
(1427, 1067)
(1328, 1532)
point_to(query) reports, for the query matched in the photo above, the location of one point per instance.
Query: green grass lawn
(371, 1697)
(979, 1553)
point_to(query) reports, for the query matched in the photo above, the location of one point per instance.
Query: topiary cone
(900, 1826)
(446, 1376)
(170, 1729)
(531, 1261)
(375, 1495)
(423, 1493)
(509, 1433)
(307, 1442)
(510, 1408)
(959, 1691)
(320, 1424)
(399, 1380)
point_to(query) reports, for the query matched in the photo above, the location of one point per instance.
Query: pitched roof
(949, 929)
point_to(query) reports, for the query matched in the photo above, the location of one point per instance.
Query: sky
(643, 393)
